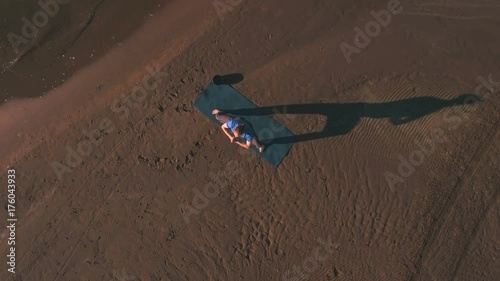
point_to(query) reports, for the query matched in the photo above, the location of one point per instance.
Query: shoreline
(118, 71)
(45, 42)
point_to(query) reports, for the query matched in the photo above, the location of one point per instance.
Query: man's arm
(227, 131)
(244, 145)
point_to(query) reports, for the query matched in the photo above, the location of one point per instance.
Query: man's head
(238, 131)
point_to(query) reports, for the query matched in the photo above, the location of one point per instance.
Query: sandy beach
(111, 173)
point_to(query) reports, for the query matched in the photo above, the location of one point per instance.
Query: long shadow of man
(342, 118)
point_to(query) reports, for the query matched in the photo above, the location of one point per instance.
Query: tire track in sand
(98, 167)
(437, 231)
(96, 211)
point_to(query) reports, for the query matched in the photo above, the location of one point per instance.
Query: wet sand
(393, 177)
(47, 54)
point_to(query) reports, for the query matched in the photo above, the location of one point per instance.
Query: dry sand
(163, 195)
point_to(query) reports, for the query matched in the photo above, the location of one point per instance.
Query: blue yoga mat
(226, 98)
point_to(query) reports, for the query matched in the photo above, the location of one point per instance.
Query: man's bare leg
(258, 144)
(221, 117)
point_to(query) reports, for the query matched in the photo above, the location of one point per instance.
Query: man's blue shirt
(248, 132)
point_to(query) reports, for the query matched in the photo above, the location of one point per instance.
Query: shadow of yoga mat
(225, 97)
